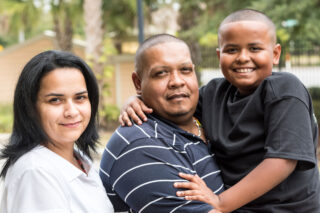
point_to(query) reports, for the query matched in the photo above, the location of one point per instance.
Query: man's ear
(276, 54)
(137, 82)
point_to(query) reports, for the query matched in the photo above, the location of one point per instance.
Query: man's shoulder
(128, 136)
(134, 132)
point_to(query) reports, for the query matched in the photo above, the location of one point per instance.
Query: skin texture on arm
(268, 174)
(135, 109)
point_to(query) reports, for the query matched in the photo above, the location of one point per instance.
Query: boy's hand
(135, 109)
(198, 190)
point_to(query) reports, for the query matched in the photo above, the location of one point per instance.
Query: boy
(260, 124)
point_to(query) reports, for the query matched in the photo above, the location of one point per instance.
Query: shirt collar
(67, 170)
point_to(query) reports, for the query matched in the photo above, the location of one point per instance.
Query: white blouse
(42, 181)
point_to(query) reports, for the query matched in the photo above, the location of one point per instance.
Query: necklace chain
(198, 126)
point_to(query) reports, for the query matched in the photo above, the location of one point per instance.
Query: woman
(55, 107)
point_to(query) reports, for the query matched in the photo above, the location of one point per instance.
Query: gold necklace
(198, 124)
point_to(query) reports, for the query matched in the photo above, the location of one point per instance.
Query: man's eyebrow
(159, 67)
(187, 63)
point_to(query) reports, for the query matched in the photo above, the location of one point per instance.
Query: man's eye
(160, 73)
(187, 69)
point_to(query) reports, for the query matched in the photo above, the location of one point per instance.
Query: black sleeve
(289, 132)
(198, 112)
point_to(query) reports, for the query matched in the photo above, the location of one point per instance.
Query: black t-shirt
(276, 121)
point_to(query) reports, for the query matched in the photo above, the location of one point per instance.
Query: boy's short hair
(150, 42)
(250, 15)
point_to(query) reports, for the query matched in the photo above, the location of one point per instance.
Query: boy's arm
(268, 174)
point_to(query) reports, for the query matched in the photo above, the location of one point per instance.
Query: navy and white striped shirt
(141, 163)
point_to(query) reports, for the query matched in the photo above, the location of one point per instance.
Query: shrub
(6, 118)
(315, 93)
(316, 108)
(109, 117)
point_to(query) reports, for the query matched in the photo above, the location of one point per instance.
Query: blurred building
(14, 58)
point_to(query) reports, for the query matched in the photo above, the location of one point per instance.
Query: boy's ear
(218, 53)
(137, 82)
(276, 54)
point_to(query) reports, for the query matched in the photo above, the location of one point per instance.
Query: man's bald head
(150, 42)
(250, 15)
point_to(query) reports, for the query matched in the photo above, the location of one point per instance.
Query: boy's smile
(247, 53)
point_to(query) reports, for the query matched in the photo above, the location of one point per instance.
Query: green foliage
(109, 113)
(23, 16)
(316, 108)
(209, 40)
(315, 93)
(6, 118)
(304, 12)
(283, 36)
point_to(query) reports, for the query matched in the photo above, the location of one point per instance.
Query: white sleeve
(37, 191)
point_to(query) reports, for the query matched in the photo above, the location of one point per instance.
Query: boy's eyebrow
(231, 45)
(255, 43)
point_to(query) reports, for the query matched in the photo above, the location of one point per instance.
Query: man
(141, 163)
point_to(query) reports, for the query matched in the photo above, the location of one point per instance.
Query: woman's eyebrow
(53, 94)
(80, 93)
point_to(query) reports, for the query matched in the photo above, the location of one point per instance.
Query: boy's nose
(243, 57)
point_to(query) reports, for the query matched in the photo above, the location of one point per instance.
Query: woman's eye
(54, 100)
(81, 97)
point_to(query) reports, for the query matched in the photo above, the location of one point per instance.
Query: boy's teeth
(244, 70)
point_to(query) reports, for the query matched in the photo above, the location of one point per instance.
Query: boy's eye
(231, 50)
(255, 49)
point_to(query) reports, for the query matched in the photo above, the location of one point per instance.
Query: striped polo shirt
(140, 164)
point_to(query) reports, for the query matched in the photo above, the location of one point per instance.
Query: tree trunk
(63, 28)
(94, 39)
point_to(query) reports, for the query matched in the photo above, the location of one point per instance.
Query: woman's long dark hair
(27, 131)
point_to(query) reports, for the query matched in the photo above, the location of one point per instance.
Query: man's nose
(176, 79)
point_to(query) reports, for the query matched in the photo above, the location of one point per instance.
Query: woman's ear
(137, 82)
